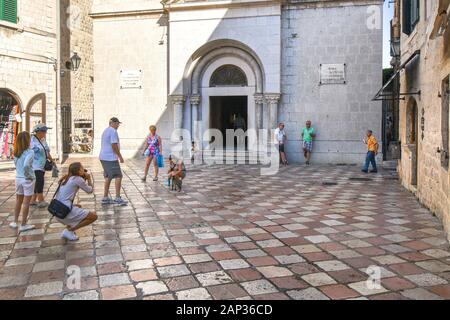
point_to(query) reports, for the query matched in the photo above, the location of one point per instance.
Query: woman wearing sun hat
(41, 155)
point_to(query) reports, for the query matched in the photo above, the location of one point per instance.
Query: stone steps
(390, 165)
(7, 165)
(235, 156)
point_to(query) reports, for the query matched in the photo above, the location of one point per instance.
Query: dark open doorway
(229, 112)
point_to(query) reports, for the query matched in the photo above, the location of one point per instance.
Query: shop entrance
(10, 123)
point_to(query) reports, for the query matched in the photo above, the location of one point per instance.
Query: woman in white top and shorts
(76, 179)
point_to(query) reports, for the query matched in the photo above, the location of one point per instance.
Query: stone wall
(258, 28)
(425, 73)
(124, 44)
(76, 36)
(26, 51)
(341, 113)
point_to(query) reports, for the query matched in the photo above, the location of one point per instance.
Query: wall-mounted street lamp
(74, 63)
(395, 47)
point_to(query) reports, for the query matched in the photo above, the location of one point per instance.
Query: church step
(234, 155)
(7, 165)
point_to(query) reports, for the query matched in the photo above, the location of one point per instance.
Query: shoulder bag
(57, 208)
(48, 164)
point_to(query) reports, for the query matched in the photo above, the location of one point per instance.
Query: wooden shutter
(406, 13)
(8, 10)
(445, 122)
(415, 13)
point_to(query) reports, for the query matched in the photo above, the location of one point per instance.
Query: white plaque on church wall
(332, 74)
(131, 79)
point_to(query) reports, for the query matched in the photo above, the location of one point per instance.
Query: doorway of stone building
(413, 139)
(10, 124)
(36, 111)
(66, 127)
(229, 112)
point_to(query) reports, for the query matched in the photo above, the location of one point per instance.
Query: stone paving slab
(233, 234)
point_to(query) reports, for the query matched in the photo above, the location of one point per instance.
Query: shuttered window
(414, 13)
(8, 10)
(411, 15)
(445, 123)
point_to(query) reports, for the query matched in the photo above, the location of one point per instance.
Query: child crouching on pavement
(177, 173)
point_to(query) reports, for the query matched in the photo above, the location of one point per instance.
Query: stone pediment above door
(180, 4)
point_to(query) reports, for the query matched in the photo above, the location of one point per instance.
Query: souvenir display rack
(9, 126)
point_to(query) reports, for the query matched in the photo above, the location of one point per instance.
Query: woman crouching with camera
(77, 178)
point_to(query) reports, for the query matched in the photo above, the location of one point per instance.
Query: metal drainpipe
(166, 12)
(58, 83)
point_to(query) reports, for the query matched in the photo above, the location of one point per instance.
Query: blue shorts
(308, 146)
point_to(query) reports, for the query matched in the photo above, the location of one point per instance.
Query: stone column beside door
(259, 117)
(178, 103)
(195, 126)
(272, 109)
(259, 101)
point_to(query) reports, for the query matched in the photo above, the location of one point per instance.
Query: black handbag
(48, 164)
(57, 208)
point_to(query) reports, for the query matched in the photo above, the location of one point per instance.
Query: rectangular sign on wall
(131, 79)
(332, 74)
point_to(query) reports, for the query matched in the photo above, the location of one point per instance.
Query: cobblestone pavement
(233, 234)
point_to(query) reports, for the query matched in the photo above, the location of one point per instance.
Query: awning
(441, 22)
(381, 95)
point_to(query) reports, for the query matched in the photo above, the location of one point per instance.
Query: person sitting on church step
(177, 174)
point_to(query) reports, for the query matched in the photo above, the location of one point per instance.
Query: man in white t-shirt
(280, 138)
(111, 158)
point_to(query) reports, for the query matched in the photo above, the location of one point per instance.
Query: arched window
(228, 75)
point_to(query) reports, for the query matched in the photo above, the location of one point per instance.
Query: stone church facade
(197, 65)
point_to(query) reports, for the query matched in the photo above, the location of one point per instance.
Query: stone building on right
(421, 50)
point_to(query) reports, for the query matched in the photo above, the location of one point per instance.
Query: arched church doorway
(225, 88)
(228, 88)
(10, 122)
(229, 112)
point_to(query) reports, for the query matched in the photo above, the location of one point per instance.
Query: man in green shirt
(308, 136)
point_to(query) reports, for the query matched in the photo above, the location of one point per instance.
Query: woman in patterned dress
(153, 149)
